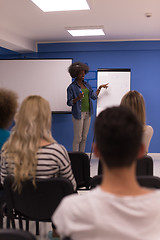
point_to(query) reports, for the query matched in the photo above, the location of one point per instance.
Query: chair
(149, 181)
(81, 169)
(145, 181)
(95, 181)
(66, 238)
(2, 203)
(144, 166)
(99, 168)
(34, 203)
(15, 234)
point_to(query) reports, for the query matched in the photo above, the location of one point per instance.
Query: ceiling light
(86, 31)
(148, 14)
(61, 5)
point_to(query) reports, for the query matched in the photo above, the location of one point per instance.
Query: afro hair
(75, 68)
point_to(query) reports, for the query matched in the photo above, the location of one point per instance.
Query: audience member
(8, 107)
(31, 151)
(135, 101)
(119, 208)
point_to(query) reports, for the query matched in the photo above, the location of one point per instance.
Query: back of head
(8, 107)
(135, 101)
(33, 123)
(118, 135)
(34, 118)
(75, 68)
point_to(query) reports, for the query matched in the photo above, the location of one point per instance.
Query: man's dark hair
(75, 68)
(8, 107)
(118, 135)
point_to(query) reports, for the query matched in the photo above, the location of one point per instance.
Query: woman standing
(79, 95)
(31, 152)
(135, 101)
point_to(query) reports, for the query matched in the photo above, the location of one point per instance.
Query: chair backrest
(37, 203)
(66, 238)
(81, 168)
(95, 181)
(15, 234)
(144, 166)
(149, 181)
(145, 181)
(99, 168)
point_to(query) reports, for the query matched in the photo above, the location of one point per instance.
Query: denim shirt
(73, 92)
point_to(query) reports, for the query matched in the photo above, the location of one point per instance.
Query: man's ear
(96, 151)
(141, 152)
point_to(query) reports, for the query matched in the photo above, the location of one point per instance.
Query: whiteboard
(119, 84)
(46, 77)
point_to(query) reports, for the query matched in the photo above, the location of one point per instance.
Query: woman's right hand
(81, 95)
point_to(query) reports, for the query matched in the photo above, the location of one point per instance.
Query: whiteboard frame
(32, 87)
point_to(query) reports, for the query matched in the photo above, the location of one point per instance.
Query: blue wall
(143, 58)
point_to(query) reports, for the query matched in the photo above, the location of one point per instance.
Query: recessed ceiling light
(148, 14)
(61, 5)
(93, 31)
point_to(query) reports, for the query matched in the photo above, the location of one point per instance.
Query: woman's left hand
(101, 86)
(104, 86)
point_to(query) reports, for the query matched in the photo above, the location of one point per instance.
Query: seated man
(119, 209)
(8, 107)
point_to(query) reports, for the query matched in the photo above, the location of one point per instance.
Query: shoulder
(71, 213)
(77, 205)
(154, 198)
(87, 84)
(58, 147)
(72, 84)
(53, 147)
(148, 130)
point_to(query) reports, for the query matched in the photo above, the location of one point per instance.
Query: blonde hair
(135, 101)
(33, 123)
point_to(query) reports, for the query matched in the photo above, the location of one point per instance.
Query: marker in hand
(81, 94)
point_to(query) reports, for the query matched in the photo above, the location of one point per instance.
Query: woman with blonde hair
(135, 101)
(31, 151)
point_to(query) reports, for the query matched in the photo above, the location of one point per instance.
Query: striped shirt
(53, 161)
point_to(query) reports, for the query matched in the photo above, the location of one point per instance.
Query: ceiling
(23, 24)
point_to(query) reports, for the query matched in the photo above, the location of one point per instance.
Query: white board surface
(46, 77)
(119, 84)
